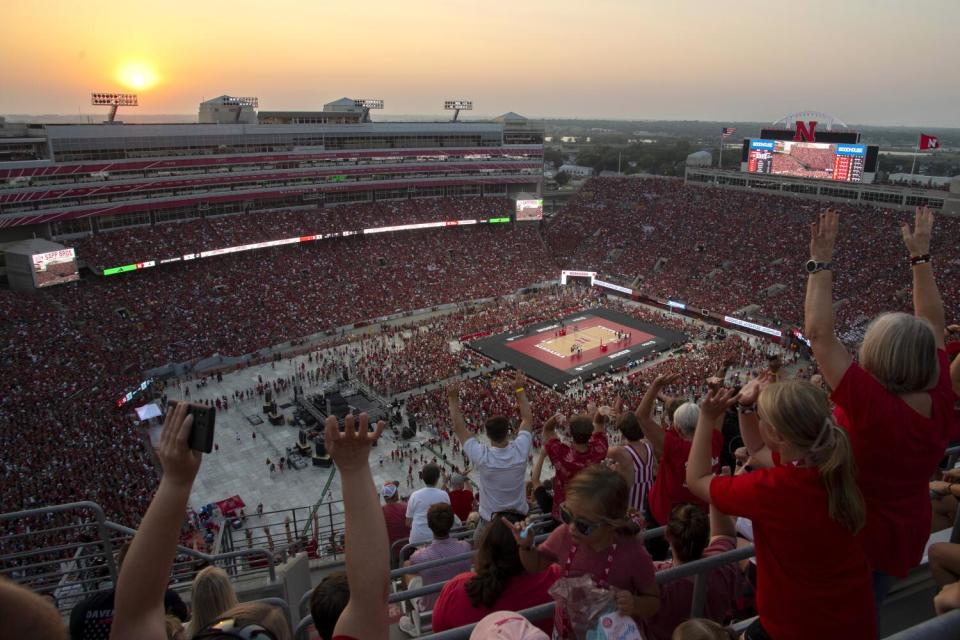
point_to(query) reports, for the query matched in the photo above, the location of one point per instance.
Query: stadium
(280, 269)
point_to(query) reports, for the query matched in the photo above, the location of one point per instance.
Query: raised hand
(350, 450)
(666, 379)
(715, 404)
(517, 529)
(823, 235)
(519, 380)
(918, 240)
(750, 392)
(180, 463)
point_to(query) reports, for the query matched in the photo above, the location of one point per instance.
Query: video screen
(825, 161)
(529, 209)
(54, 267)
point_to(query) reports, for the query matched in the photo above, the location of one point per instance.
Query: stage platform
(544, 350)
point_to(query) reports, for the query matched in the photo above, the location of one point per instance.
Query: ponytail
(800, 413)
(833, 457)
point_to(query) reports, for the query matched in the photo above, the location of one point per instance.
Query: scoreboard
(760, 159)
(848, 162)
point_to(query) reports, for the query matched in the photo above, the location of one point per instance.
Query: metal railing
(70, 554)
(945, 627)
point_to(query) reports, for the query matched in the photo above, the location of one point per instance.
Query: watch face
(811, 266)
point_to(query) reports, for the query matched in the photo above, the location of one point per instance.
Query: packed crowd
(115, 248)
(679, 245)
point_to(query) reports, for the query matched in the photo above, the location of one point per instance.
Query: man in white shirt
(501, 466)
(420, 502)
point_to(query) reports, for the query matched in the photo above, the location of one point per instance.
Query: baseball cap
(388, 490)
(506, 625)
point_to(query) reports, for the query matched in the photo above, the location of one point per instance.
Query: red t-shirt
(454, 609)
(897, 450)
(723, 587)
(568, 462)
(670, 486)
(395, 514)
(631, 569)
(813, 578)
(461, 500)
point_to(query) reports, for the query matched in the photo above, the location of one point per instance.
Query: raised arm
(699, 464)
(368, 547)
(537, 470)
(139, 609)
(750, 423)
(926, 297)
(550, 430)
(720, 523)
(652, 430)
(456, 415)
(831, 355)
(526, 413)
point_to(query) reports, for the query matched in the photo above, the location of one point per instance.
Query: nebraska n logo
(806, 132)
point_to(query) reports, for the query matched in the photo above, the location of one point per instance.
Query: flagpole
(720, 162)
(915, 152)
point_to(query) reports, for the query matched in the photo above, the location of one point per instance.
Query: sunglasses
(227, 629)
(583, 527)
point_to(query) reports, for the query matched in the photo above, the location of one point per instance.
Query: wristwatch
(812, 266)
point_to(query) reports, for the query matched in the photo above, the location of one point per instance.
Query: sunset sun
(137, 75)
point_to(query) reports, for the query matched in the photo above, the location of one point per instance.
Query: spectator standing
(896, 403)
(813, 577)
(461, 498)
(501, 465)
(327, 602)
(394, 512)
(589, 447)
(211, 595)
(420, 502)
(635, 461)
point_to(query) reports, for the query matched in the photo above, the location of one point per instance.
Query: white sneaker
(407, 625)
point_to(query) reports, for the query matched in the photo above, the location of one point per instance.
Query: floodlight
(368, 104)
(242, 102)
(457, 106)
(114, 100)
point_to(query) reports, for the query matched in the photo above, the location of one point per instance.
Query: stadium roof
(32, 246)
(510, 116)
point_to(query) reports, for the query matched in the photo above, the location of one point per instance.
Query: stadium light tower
(457, 106)
(242, 102)
(113, 100)
(366, 105)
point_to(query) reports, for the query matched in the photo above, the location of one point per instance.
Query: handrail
(945, 627)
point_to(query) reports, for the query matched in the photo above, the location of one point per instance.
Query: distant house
(700, 159)
(576, 170)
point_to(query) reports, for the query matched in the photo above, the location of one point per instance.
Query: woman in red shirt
(896, 404)
(671, 446)
(813, 578)
(500, 582)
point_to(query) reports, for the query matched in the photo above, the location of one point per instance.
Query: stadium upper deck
(89, 177)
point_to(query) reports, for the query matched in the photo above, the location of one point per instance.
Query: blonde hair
(174, 628)
(606, 489)
(702, 629)
(800, 413)
(212, 594)
(900, 350)
(267, 616)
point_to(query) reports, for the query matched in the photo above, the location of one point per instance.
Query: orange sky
(878, 62)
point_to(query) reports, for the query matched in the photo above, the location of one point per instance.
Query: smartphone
(201, 433)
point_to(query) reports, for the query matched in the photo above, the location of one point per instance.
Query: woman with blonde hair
(813, 578)
(212, 594)
(896, 404)
(254, 620)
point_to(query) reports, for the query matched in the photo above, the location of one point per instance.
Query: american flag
(729, 131)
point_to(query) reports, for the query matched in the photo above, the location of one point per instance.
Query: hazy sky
(866, 62)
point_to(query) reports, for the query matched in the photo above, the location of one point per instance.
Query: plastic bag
(588, 612)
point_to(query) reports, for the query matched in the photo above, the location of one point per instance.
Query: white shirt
(500, 472)
(417, 506)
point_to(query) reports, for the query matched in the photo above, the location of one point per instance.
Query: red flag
(929, 142)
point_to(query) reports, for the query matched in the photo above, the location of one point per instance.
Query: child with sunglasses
(599, 538)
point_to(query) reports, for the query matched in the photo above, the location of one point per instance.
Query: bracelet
(519, 390)
(746, 409)
(925, 258)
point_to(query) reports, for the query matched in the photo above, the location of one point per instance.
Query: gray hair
(685, 418)
(900, 351)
